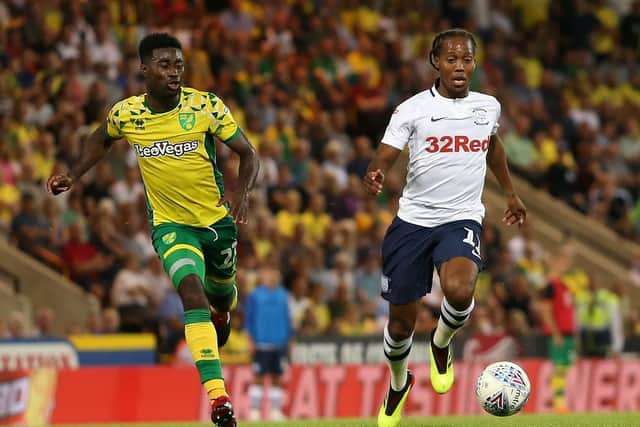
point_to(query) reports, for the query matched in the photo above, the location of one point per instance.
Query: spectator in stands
(521, 151)
(31, 232)
(298, 300)
(132, 295)
(170, 322)
(315, 219)
(128, 190)
(290, 215)
(318, 314)
(558, 317)
(599, 320)
(43, 322)
(9, 198)
(367, 277)
(82, 260)
(516, 295)
(17, 325)
(363, 154)
(268, 322)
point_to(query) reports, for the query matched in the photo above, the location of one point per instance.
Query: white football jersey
(448, 141)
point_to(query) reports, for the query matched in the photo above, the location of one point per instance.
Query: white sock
(255, 396)
(450, 321)
(397, 353)
(275, 397)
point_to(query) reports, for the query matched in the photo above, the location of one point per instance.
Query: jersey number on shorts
(471, 240)
(230, 254)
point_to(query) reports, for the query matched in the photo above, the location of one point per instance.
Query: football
(503, 389)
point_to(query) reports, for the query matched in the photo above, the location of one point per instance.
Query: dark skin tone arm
(99, 143)
(248, 171)
(385, 157)
(94, 149)
(497, 162)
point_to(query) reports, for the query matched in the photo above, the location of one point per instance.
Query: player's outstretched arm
(515, 212)
(249, 167)
(94, 149)
(385, 157)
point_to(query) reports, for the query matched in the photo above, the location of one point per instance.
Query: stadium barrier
(46, 288)
(598, 247)
(30, 354)
(115, 349)
(156, 393)
(27, 398)
(80, 350)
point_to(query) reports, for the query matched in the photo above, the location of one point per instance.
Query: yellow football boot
(441, 376)
(390, 412)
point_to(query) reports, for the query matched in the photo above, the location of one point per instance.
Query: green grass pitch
(571, 420)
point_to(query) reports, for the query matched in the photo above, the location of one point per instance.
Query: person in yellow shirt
(363, 61)
(282, 131)
(20, 133)
(44, 156)
(262, 238)
(288, 218)
(9, 198)
(365, 16)
(532, 13)
(319, 307)
(315, 218)
(350, 321)
(546, 150)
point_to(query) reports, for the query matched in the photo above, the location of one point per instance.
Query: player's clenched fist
(373, 182)
(59, 183)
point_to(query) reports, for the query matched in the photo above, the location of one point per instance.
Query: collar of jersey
(438, 95)
(148, 107)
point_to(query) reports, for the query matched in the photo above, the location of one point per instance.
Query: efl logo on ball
(503, 389)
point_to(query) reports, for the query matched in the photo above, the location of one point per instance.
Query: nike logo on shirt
(437, 119)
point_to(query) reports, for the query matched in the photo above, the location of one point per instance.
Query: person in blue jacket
(268, 323)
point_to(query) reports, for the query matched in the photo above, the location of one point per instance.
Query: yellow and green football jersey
(177, 155)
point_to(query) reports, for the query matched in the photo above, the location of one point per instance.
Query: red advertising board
(357, 390)
(14, 392)
(26, 398)
(318, 391)
(127, 394)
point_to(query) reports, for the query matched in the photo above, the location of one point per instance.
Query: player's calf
(442, 373)
(221, 305)
(451, 320)
(222, 323)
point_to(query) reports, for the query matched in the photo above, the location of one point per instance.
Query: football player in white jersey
(452, 136)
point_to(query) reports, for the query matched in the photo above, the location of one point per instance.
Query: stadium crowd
(313, 84)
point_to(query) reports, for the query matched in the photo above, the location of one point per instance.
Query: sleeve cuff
(234, 136)
(394, 144)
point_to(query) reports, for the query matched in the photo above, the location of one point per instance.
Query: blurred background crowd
(313, 83)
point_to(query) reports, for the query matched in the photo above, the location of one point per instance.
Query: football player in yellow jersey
(173, 130)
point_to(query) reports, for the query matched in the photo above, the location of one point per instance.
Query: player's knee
(192, 294)
(459, 292)
(400, 329)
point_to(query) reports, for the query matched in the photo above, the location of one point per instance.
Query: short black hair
(440, 38)
(156, 41)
